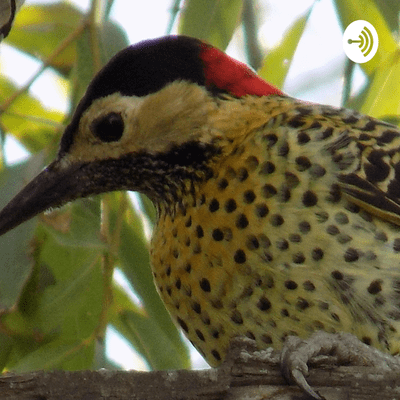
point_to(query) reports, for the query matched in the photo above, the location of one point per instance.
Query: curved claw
(294, 365)
(299, 379)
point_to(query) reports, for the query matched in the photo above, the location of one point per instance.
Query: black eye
(108, 128)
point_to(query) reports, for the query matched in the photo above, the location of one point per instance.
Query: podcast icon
(360, 41)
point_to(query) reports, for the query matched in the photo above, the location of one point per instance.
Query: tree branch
(240, 377)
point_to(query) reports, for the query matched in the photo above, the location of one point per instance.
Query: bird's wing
(375, 184)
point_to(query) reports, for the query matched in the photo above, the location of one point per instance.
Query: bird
(275, 217)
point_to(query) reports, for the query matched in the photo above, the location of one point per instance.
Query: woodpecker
(275, 217)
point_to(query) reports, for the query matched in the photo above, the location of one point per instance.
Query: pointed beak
(53, 187)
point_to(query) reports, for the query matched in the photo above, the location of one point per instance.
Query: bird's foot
(345, 349)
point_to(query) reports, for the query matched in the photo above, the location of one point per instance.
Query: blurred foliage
(57, 293)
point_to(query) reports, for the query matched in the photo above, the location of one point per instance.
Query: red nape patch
(228, 74)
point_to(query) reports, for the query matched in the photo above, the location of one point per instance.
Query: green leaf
(148, 208)
(391, 119)
(27, 120)
(77, 224)
(381, 99)
(146, 335)
(5, 349)
(60, 306)
(59, 354)
(349, 11)
(134, 262)
(210, 20)
(111, 39)
(39, 29)
(277, 63)
(390, 10)
(16, 263)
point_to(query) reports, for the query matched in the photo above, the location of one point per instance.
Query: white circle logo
(360, 41)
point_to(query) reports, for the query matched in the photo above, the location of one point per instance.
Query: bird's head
(143, 123)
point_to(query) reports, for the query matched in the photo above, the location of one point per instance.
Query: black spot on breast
(222, 184)
(230, 205)
(282, 244)
(337, 275)
(216, 355)
(250, 335)
(366, 340)
(309, 198)
(299, 258)
(252, 162)
(271, 139)
(182, 324)
(332, 230)
(284, 194)
(236, 317)
(240, 256)
(263, 304)
(217, 235)
(214, 205)
(335, 194)
(322, 216)
(375, 286)
(327, 133)
(396, 245)
(291, 285)
(277, 220)
(268, 191)
(291, 180)
(315, 125)
(296, 122)
(335, 317)
(217, 304)
(196, 307)
(284, 149)
(242, 174)
(249, 196)
(199, 231)
(341, 218)
(242, 221)
(304, 227)
(302, 304)
(308, 286)
(295, 238)
(215, 334)
(252, 242)
(303, 163)
(266, 339)
(351, 119)
(317, 171)
(303, 138)
(261, 210)
(200, 335)
(205, 285)
(267, 168)
(317, 254)
(351, 255)
(381, 236)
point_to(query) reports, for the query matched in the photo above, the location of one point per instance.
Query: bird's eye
(108, 128)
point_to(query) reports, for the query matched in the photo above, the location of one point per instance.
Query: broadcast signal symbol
(366, 41)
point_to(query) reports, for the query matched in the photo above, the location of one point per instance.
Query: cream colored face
(176, 114)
